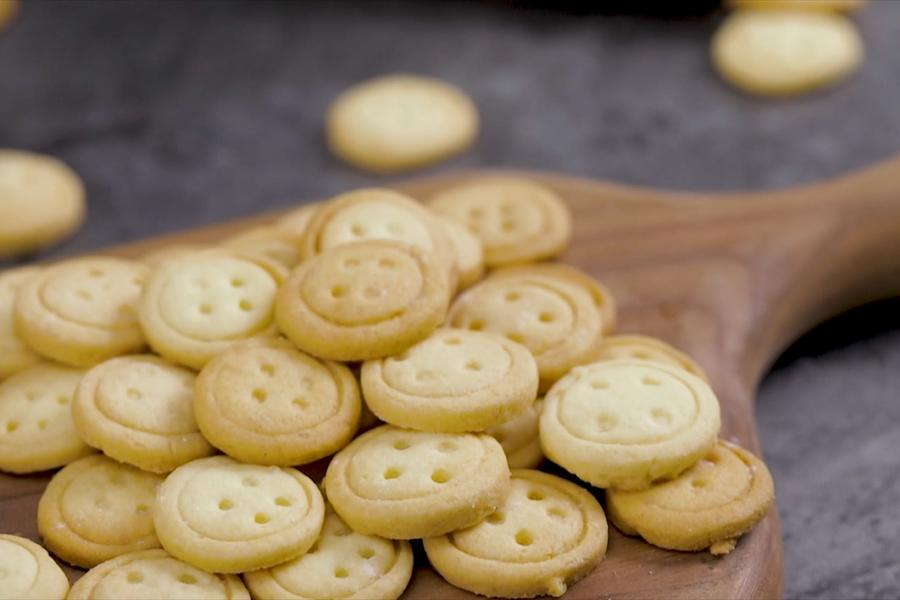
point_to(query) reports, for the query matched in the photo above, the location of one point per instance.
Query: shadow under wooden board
(732, 278)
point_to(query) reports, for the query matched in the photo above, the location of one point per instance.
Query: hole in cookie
(42, 424)
(508, 225)
(652, 381)
(62, 400)
(391, 473)
(606, 421)
(249, 482)
(95, 272)
(447, 447)
(31, 396)
(134, 394)
(267, 369)
(515, 337)
(496, 518)
(476, 325)
(358, 230)
(440, 476)
(300, 403)
(512, 296)
(338, 291)
(226, 504)
(85, 295)
(386, 263)
(206, 309)
(473, 365)
(237, 282)
(187, 579)
(698, 483)
(366, 553)
(342, 532)
(452, 341)
(341, 573)
(135, 577)
(546, 317)
(600, 384)
(12, 426)
(262, 518)
(282, 501)
(555, 511)
(476, 213)
(245, 305)
(661, 416)
(535, 495)
(142, 508)
(524, 537)
(260, 395)
(401, 444)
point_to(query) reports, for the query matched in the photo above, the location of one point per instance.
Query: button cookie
(468, 251)
(153, 574)
(196, 306)
(96, 509)
(403, 484)
(641, 347)
(398, 122)
(271, 242)
(27, 571)
(15, 356)
(139, 410)
(556, 320)
(226, 517)
(342, 564)
(626, 424)
(520, 439)
(36, 428)
(708, 506)
(453, 381)
(41, 201)
(364, 300)
(81, 312)
(268, 403)
(516, 220)
(547, 534)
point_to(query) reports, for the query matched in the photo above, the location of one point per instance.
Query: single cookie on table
(82, 311)
(397, 122)
(710, 505)
(557, 320)
(265, 402)
(28, 573)
(837, 5)
(626, 423)
(468, 251)
(520, 438)
(295, 221)
(96, 509)
(454, 381)
(269, 241)
(546, 535)
(227, 517)
(782, 53)
(140, 410)
(642, 347)
(364, 300)
(197, 305)
(155, 574)
(41, 201)
(342, 564)
(438, 482)
(36, 428)
(517, 220)
(15, 355)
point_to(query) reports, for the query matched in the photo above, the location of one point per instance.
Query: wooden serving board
(732, 278)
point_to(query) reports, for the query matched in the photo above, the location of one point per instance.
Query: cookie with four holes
(546, 535)
(520, 438)
(438, 482)
(266, 402)
(642, 347)
(15, 355)
(28, 572)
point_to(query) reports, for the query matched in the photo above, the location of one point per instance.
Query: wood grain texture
(730, 278)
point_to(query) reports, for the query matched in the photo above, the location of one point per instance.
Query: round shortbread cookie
(839, 5)
(139, 410)
(15, 355)
(642, 347)
(270, 242)
(36, 428)
(364, 300)
(520, 438)
(780, 53)
(197, 305)
(226, 517)
(28, 573)
(627, 424)
(454, 381)
(547, 534)
(517, 220)
(467, 248)
(41, 201)
(83, 311)
(268, 403)
(402, 484)
(558, 321)
(154, 574)
(342, 565)
(710, 505)
(96, 509)
(398, 122)
(295, 222)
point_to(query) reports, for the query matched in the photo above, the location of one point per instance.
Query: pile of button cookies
(364, 328)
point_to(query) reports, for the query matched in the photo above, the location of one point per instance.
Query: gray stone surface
(183, 114)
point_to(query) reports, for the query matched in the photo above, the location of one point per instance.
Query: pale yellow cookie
(139, 410)
(342, 564)
(296, 221)
(546, 535)
(271, 242)
(15, 356)
(83, 311)
(403, 484)
(26, 570)
(226, 517)
(196, 306)
(781, 53)
(642, 347)
(268, 403)
(152, 575)
(520, 438)
(454, 381)
(397, 122)
(363, 300)
(557, 320)
(36, 428)
(41, 200)
(710, 505)
(154, 258)
(839, 5)
(628, 423)
(468, 250)
(517, 220)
